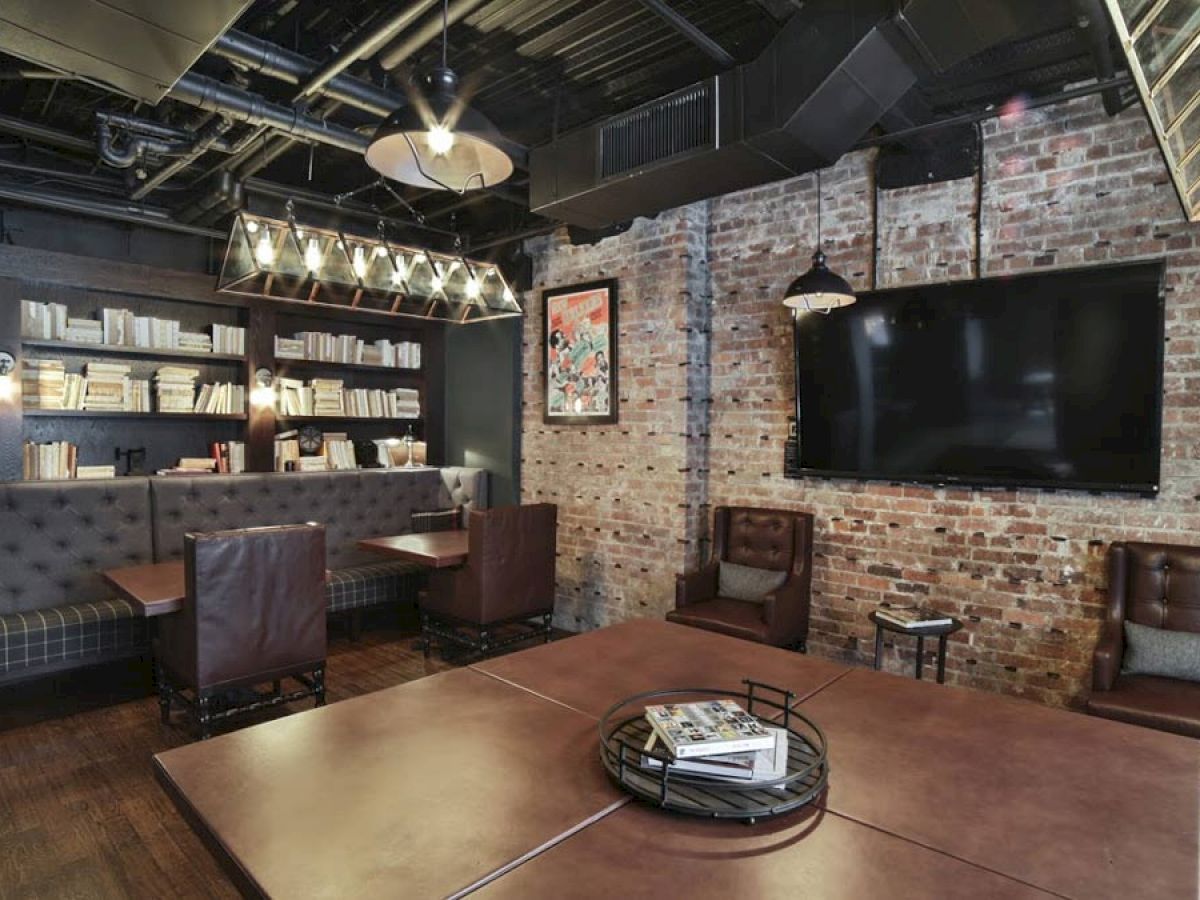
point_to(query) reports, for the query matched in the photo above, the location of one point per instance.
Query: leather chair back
(255, 607)
(1157, 585)
(762, 538)
(511, 560)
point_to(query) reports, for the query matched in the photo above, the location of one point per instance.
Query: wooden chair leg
(425, 641)
(164, 695)
(204, 715)
(546, 620)
(319, 686)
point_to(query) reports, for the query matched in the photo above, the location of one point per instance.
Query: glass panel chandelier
(282, 260)
(1161, 40)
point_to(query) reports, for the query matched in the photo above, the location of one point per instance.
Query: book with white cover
(912, 617)
(707, 728)
(752, 766)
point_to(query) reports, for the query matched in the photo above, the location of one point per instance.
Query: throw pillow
(1157, 651)
(747, 582)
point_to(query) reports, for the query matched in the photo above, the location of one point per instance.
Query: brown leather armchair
(1157, 585)
(508, 578)
(765, 539)
(254, 613)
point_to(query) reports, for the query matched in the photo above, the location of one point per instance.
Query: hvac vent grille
(680, 123)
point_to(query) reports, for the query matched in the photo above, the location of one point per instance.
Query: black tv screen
(1040, 380)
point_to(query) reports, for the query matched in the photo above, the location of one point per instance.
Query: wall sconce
(264, 388)
(8, 365)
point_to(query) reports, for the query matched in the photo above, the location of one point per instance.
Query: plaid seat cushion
(371, 584)
(104, 628)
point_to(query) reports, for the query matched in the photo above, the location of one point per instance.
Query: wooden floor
(81, 814)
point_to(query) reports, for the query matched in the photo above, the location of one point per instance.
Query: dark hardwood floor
(80, 812)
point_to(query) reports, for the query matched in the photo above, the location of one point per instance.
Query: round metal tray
(624, 731)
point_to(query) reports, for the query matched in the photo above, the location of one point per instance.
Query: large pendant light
(439, 141)
(818, 289)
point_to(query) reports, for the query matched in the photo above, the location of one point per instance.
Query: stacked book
(912, 618)
(121, 328)
(323, 346)
(338, 451)
(195, 342)
(43, 384)
(230, 457)
(399, 403)
(327, 397)
(49, 462)
(192, 465)
(407, 404)
(44, 321)
(228, 339)
(288, 348)
(95, 471)
(294, 398)
(220, 399)
(175, 387)
(110, 389)
(84, 331)
(287, 451)
(714, 739)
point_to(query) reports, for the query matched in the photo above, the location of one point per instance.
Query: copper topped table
(437, 549)
(155, 589)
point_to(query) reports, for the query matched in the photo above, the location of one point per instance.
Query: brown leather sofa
(1157, 585)
(508, 578)
(255, 613)
(774, 539)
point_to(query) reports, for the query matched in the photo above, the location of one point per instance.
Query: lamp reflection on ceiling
(282, 260)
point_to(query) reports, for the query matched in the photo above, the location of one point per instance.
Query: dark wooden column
(10, 410)
(260, 353)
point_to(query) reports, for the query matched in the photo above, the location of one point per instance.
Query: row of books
(45, 384)
(347, 348)
(225, 458)
(337, 452)
(58, 461)
(121, 328)
(714, 739)
(329, 397)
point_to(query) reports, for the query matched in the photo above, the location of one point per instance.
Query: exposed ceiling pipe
(368, 45)
(45, 134)
(209, 136)
(134, 149)
(119, 212)
(244, 106)
(403, 48)
(1094, 25)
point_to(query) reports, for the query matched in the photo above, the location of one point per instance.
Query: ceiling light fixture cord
(445, 28)
(420, 168)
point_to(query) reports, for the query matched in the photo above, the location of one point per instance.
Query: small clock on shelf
(311, 440)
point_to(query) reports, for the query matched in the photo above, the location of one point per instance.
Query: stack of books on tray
(716, 740)
(913, 618)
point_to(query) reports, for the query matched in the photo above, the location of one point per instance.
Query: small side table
(941, 632)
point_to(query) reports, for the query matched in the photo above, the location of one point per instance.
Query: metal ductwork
(830, 74)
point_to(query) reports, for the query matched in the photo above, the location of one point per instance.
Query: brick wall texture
(706, 386)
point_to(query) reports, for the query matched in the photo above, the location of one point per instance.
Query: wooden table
(155, 589)
(941, 632)
(437, 549)
(489, 777)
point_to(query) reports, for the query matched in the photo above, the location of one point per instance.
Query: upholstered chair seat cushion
(372, 584)
(748, 583)
(1167, 704)
(1157, 651)
(79, 631)
(736, 618)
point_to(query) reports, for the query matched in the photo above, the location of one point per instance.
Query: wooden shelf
(141, 352)
(282, 418)
(283, 362)
(122, 414)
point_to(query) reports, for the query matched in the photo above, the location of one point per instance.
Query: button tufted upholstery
(774, 539)
(465, 489)
(1157, 585)
(57, 537)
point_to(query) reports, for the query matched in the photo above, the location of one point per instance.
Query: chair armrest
(786, 611)
(696, 586)
(1106, 661)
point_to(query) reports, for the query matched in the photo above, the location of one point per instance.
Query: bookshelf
(87, 285)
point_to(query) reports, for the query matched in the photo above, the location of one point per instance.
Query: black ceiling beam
(715, 51)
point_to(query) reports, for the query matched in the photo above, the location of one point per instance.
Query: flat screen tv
(1047, 380)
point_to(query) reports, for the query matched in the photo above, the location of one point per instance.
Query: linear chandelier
(281, 260)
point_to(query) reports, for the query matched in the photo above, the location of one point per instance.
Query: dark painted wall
(483, 389)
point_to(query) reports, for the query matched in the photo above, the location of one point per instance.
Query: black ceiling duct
(830, 74)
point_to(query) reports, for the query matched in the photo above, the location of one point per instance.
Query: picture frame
(580, 354)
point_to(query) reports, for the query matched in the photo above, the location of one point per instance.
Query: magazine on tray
(750, 766)
(707, 728)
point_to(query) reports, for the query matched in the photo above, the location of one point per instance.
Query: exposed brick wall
(705, 338)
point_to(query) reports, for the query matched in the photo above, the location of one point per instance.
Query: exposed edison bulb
(380, 252)
(312, 255)
(440, 139)
(263, 251)
(251, 226)
(360, 262)
(508, 295)
(398, 271)
(473, 288)
(435, 283)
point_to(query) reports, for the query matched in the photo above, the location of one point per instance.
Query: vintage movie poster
(580, 345)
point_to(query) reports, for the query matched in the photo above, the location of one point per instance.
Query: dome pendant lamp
(439, 141)
(818, 289)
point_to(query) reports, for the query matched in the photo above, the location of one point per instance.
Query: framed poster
(579, 325)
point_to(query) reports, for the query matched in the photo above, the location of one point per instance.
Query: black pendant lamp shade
(439, 142)
(818, 288)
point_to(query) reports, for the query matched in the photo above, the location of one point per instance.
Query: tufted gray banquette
(56, 538)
